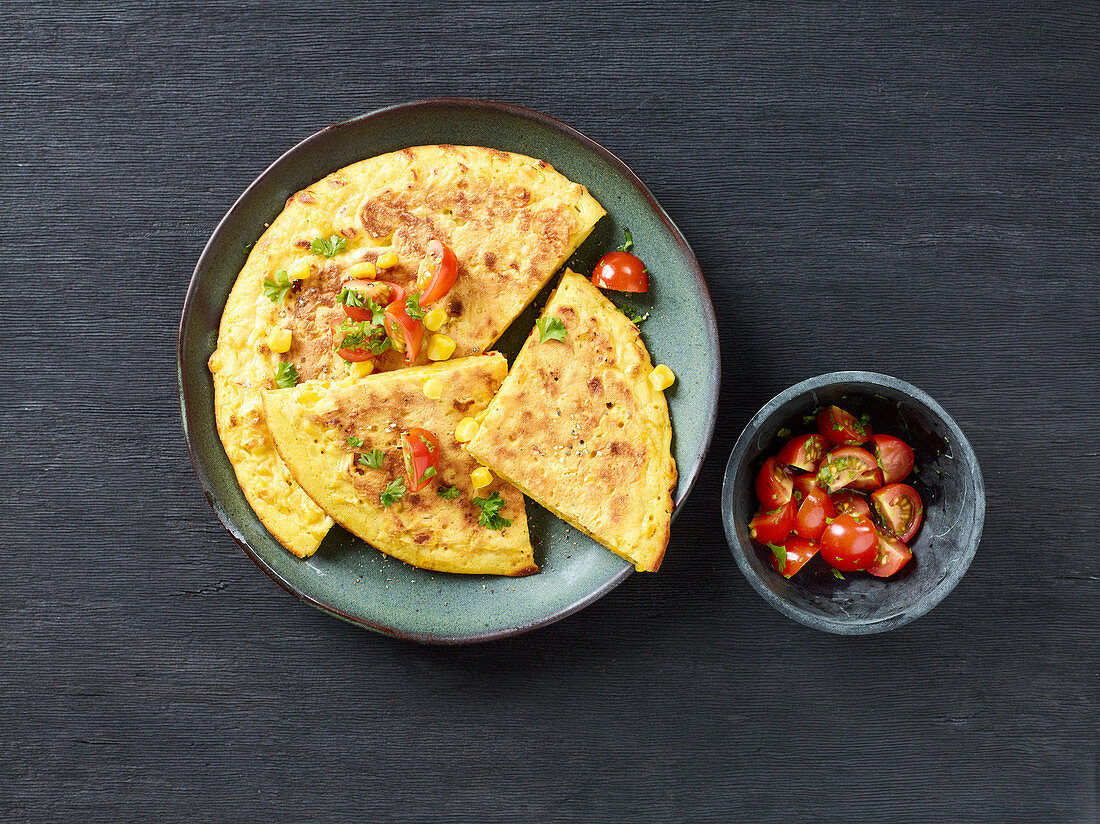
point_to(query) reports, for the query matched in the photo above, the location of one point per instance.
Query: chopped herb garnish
(780, 555)
(361, 334)
(412, 306)
(628, 244)
(276, 287)
(808, 418)
(395, 491)
(447, 491)
(632, 314)
(783, 433)
(490, 512)
(373, 459)
(349, 297)
(428, 444)
(328, 248)
(286, 375)
(836, 574)
(354, 441)
(428, 473)
(550, 329)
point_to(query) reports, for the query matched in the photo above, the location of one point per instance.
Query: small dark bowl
(949, 482)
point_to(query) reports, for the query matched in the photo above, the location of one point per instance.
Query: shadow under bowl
(947, 477)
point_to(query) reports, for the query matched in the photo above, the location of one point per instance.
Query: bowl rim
(188, 407)
(739, 550)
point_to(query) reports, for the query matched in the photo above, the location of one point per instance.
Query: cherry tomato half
(355, 355)
(809, 521)
(803, 452)
(773, 527)
(443, 274)
(774, 484)
(802, 486)
(868, 481)
(847, 501)
(842, 428)
(894, 456)
(421, 451)
(380, 291)
(892, 555)
(796, 553)
(900, 509)
(406, 334)
(843, 466)
(849, 543)
(622, 272)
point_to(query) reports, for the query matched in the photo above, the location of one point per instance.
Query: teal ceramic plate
(347, 578)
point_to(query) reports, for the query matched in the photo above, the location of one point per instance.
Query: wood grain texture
(910, 188)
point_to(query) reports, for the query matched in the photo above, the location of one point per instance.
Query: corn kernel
(360, 369)
(480, 416)
(278, 339)
(661, 377)
(440, 347)
(433, 388)
(481, 477)
(362, 271)
(298, 270)
(466, 429)
(388, 260)
(434, 320)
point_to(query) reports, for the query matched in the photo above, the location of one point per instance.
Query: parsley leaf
(780, 556)
(550, 329)
(428, 473)
(286, 375)
(328, 248)
(275, 288)
(354, 441)
(373, 459)
(632, 314)
(836, 574)
(490, 512)
(361, 334)
(447, 491)
(349, 297)
(783, 433)
(628, 244)
(428, 444)
(412, 306)
(395, 491)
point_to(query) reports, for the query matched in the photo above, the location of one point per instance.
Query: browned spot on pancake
(595, 386)
(409, 153)
(301, 243)
(349, 232)
(422, 537)
(490, 260)
(567, 312)
(415, 500)
(500, 154)
(463, 406)
(383, 214)
(336, 183)
(454, 307)
(305, 197)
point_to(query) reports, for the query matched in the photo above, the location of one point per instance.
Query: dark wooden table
(911, 189)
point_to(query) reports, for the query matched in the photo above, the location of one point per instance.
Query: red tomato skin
(774, 526)
(444, 276)
(843, 466)
(895, 457)
(799, 552)
(868, 481)
(419, 456)
(803, 452)
(621, 272)
(774, 484)
(809, 521)
(803, 484)
(411, 331)
(847, 501)
(849, 543)
(355, 355)
(893, 554)
(900, 509)
(842, 428)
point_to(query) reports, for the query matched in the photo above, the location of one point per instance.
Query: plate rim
(684, 486)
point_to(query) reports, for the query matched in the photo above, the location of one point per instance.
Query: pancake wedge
(511, 220)
(341, 442)
(578, 427)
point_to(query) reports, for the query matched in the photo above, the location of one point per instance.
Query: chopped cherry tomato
(421, 451)
(622, 272)
(892, 555)
(355, 355)
(847, 501)
(406, 334)
(442, 276)
(802, 486)
(842, 428)
(380, 291)
(809, 521)
(774, 484)
(796, 552)
(868, 481)
(894, 456)
(844, 465)
(849, 543)
(900, 509)
(803, 452)
(773, 527)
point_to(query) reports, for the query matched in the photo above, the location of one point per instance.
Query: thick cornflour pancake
(329, 434)
(511, 220)
(579, 429)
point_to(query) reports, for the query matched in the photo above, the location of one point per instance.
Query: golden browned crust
(578, 427)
